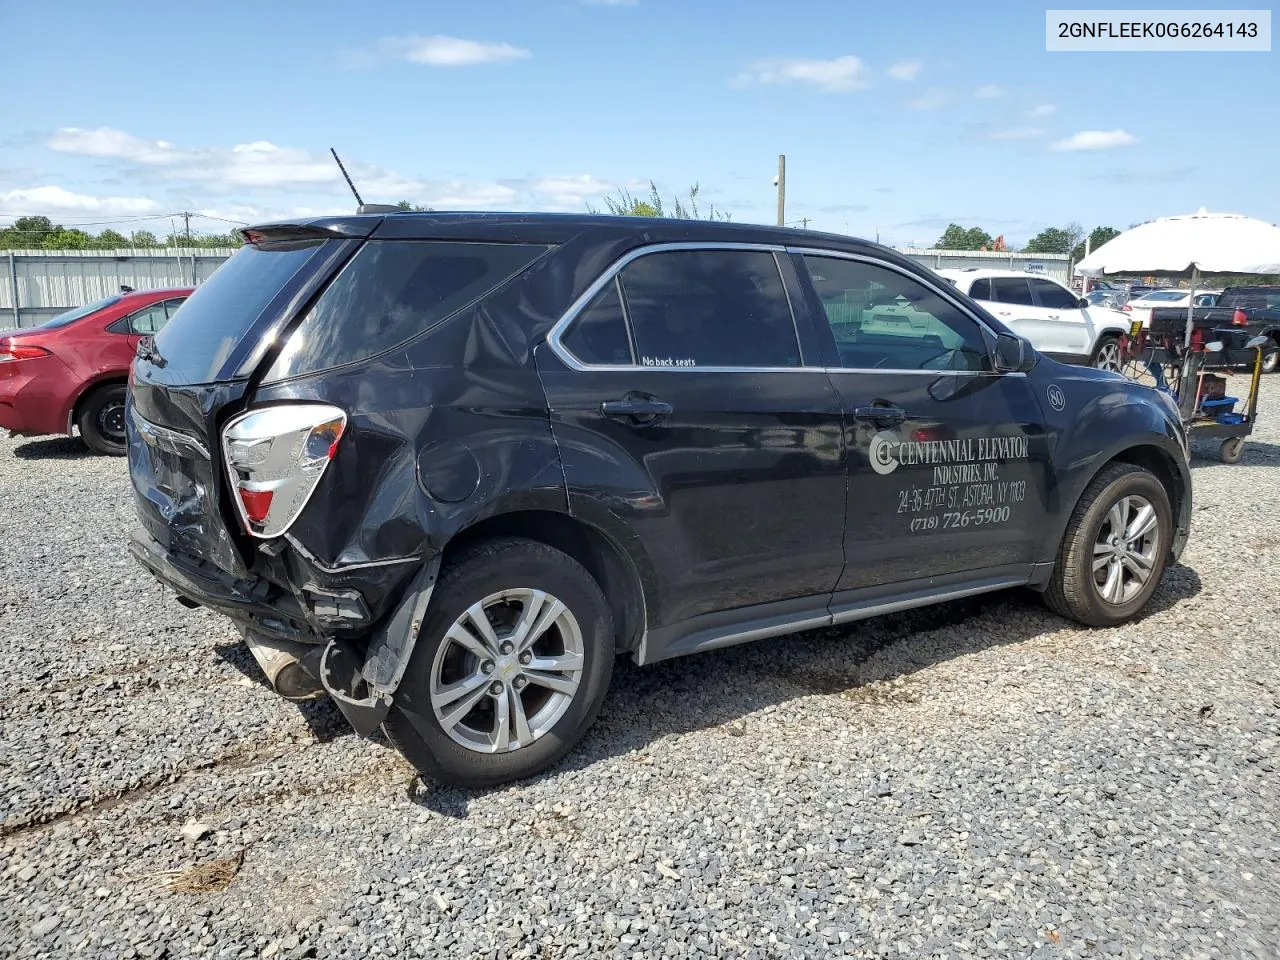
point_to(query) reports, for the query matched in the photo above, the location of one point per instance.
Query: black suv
(444, 467)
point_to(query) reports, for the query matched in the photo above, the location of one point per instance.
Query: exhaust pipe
(281, 661)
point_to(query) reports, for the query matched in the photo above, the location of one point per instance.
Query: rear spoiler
(324, 228)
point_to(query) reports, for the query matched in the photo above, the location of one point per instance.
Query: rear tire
(101, 420)
(1082, 587)
(504, 581)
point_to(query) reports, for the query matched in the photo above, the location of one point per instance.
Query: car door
(947, 459)
(688, 419)
(1015, 306)
(1068, 325)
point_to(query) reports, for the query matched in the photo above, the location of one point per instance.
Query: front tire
(510, 669)
(101, 420)
(1106, 355)
(1115, 548)
(1271, 358)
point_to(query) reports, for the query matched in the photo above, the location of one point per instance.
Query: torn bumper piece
(248, 602)
(362, 683)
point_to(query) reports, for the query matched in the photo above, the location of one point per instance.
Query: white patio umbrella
(1189, 245)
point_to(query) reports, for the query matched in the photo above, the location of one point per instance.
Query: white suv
(1058, 323)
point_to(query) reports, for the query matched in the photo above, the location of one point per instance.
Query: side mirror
(1083, 302)
(1013, 354)
(1255, 342)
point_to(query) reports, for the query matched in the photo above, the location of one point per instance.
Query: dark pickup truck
(1240, 313)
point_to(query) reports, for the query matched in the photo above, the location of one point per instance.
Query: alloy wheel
(1125, 551)
(507, 670)
(1108, 357)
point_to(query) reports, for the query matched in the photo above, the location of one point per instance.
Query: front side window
(882, 319)
(1053, 296)
(1014, 290)
(709, 308)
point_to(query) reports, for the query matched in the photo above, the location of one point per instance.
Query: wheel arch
(1151, 456)
(88, 389)
(611, 566)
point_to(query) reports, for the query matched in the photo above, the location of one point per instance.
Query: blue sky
(895, 118)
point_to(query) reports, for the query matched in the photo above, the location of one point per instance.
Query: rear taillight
(1240, 318)
(19, 351)
(1127, 309)
(275, 458)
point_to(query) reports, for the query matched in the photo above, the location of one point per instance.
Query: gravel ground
(978, 779)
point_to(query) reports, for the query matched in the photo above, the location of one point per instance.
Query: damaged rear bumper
(360, 675)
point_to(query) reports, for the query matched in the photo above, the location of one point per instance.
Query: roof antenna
(362, 207)
(336, 160)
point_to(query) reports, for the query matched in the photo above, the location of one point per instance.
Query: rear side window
(1011, 290)
(981, 290)
(391, 291)
(709, 308)
(197, 341)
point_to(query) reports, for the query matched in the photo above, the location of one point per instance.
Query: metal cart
(1193, 370)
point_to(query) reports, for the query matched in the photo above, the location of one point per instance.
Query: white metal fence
(39, 284)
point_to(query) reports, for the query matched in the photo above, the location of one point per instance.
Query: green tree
(110, 240)
(67, 238)
(1049, 240)
(1097, 237)
(413, 207)
(627, 204)
(956, 237)
(143, 239)
(27, 233)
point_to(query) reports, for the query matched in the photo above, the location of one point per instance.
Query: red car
(72, 371)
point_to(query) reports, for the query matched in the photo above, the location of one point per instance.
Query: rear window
(391, 291)
(197, 341)
(71, 316)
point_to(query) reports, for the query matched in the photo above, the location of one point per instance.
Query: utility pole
(187, 218)
(782, 189)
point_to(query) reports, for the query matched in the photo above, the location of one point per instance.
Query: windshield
(1165, 295)
(196, 343)
(71, 316)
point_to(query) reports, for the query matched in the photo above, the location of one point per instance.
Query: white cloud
(931, 101)
(52, 201)
(989, 92)
(435, 51)
(1042, 110)
(838, 74)
(1095, 140)
(1016, 133)
(106, 142)
(905, 70)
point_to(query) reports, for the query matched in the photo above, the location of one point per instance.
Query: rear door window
(599, 334)
(391, 291)
(709, 308)
(1011, 290)
(981, 290)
